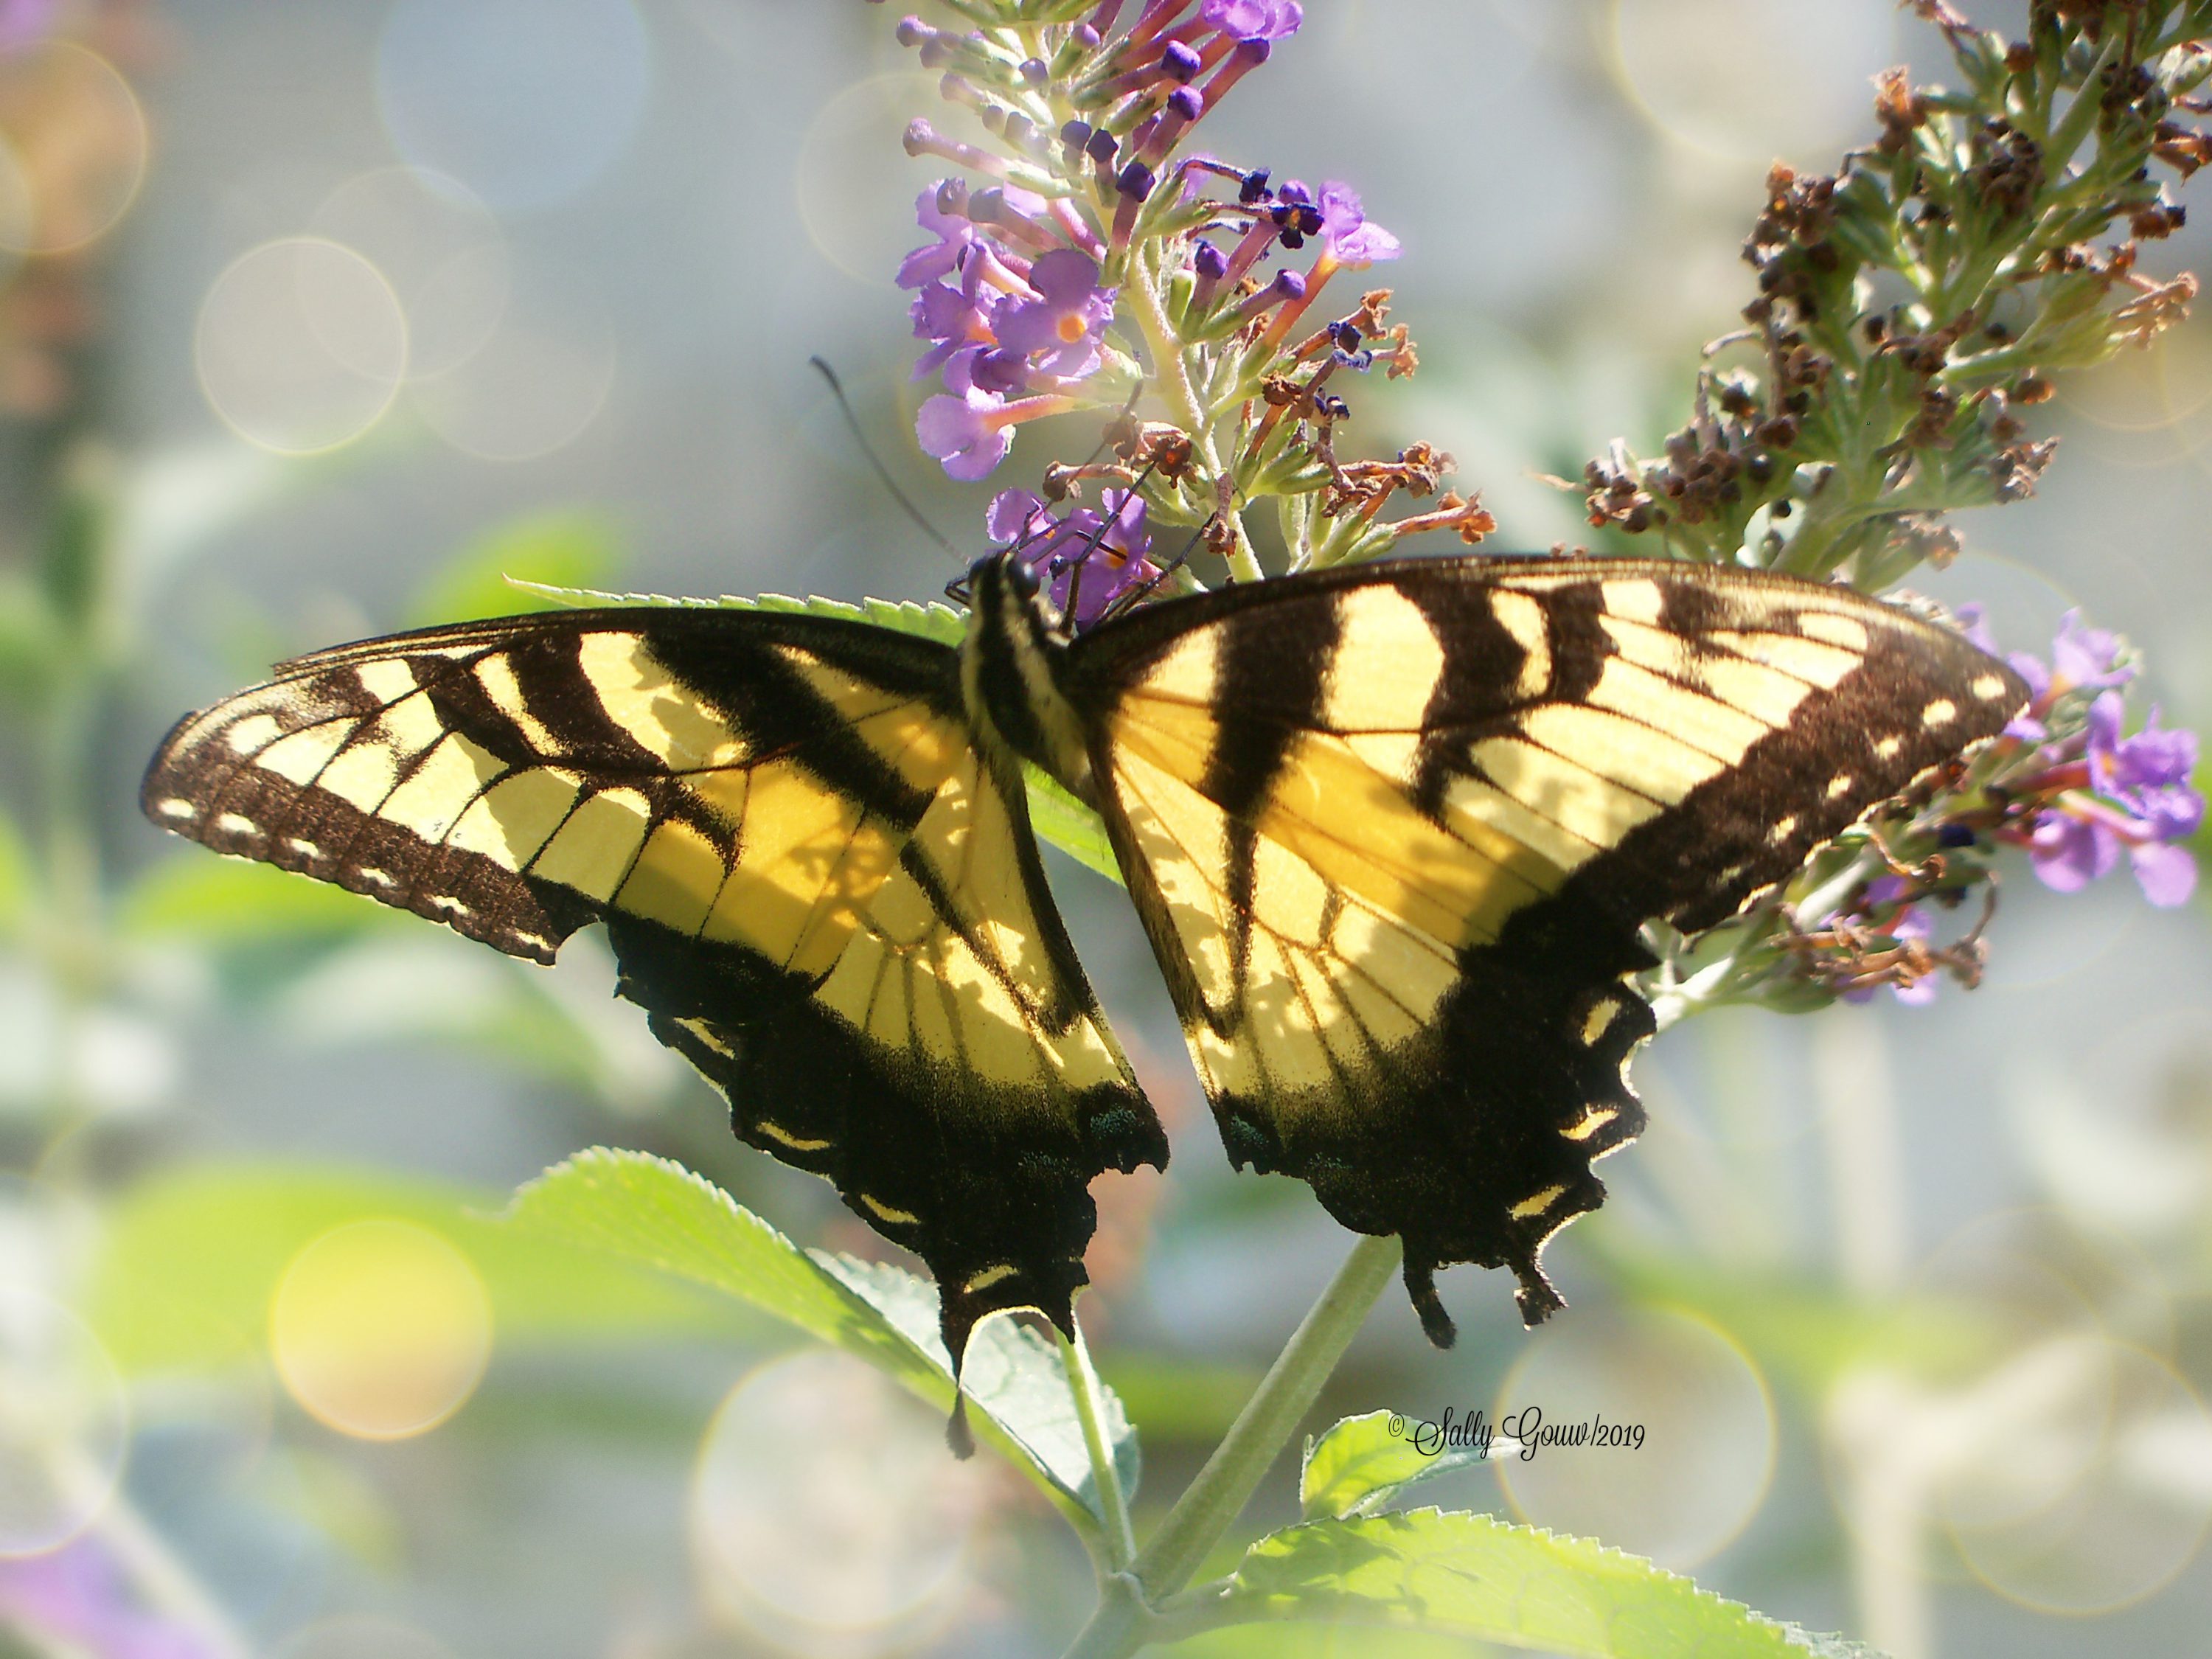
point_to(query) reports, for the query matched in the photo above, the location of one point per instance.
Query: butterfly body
(1393, 831)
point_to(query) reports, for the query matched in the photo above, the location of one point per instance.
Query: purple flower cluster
(1016, 294)
(1012, 335)
(1087, 559)
(2099, 792)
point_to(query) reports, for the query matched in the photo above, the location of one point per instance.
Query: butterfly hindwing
(825, 893)
(1394, 830)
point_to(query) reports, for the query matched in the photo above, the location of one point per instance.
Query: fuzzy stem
(1142, 287)
(1113, 1503)
(1125, 1620)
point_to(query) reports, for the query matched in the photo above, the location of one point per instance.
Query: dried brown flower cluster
(1985, 202)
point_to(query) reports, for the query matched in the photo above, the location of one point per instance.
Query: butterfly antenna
(1097, 537)
(1137, 596)
(882, 472)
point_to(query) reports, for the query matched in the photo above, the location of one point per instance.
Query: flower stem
(1113, 1503)
(1143, 288)
(1124, 1616)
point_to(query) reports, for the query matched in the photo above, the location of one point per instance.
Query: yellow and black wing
(825, 893)
(1394, 832)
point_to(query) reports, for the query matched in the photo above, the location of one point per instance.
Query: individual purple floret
(1096, 556)
(1059, 331)
(1249, 20)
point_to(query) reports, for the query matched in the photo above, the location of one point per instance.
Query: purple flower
(1096, 557)
(941, 209)
(1351, 239)
(1249, 20)
(2167, 873)
(1066, 320)
(967, 432)
(952, 318)
(2069, 851)
(2083, 656)
(2108, 792)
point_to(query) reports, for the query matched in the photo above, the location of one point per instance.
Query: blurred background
(316, 321)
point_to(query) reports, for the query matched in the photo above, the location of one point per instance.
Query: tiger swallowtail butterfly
(1393, 830)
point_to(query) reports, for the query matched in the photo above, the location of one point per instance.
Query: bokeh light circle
(1994, 1392)
(847, 139)
(1708, 1432)
(301, 345)
(533, 385)
(2134, 1517)
(441, 250)
(380, 1329)
(824, 1509)
(1751, 80)
(525, 101)
(64, 1424)
(76, 148)
(361, 1636)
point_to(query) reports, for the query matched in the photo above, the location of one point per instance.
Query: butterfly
(1394, 831)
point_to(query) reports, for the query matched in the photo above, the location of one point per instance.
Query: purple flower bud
(1101, 146)
(1181, 62)
(1135, 180)
(1209, 262)
(1035, 71)
(1186, 104)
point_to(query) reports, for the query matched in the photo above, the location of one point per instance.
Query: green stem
(1125, 1619)
(1143, 290)
(1113, 1503)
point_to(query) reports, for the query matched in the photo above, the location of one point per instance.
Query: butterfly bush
(1909, 312)
(1205, 328)
(1088, 253)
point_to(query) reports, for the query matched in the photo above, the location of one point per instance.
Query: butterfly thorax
(1010, 668)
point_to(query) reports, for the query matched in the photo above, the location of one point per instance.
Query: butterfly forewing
(823, 892)
(1394, 832)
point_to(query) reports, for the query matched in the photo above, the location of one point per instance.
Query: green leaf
(189, 1261)
(650, 1212)
(230, 900)
(1070, 825)
(1475, 1576)
(509, 568)
(932, 621)
(1361, 1463)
